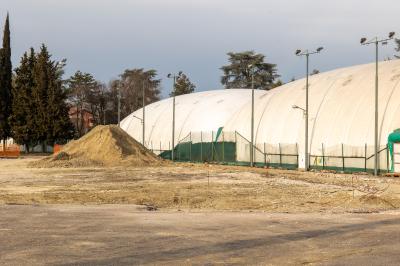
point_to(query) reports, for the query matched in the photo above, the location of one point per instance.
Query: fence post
(323, 156)
(212, 145)
(265, 155)
(365, 161)
(190, 146)
(342, 158)
(387, 157)
(297, 154)
(235, 148)
(160, 147)
(280, 155)
(223, 147)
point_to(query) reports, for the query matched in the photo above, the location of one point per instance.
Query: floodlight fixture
(391, 34)
(320, 49)
(141, 120)
(298, 52)
(298, 107)
(363, 40)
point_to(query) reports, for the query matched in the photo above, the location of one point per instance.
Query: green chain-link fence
(232, 148)
(347, 158)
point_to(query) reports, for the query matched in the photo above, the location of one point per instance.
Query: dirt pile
(102, 146)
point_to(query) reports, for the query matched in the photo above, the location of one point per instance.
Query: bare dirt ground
(195, 214)
(198, 187)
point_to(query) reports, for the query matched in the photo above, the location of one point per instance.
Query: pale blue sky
(104, 37)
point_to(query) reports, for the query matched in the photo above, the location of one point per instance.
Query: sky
(105, 37)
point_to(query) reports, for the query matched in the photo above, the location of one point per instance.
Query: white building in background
(341, 112)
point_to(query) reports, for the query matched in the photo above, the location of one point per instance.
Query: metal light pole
(173, 76)
(144, 112)
(307, 54)
(252, 117)
(376, 41)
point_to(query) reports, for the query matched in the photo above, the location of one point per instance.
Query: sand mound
(102, 146)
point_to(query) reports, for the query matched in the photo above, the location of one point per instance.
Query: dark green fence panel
(167, 155)
(204, 152)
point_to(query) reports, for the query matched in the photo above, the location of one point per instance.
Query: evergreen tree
(238, 74)
(51, 121)
(60, 127)
(5, 83)
(183, 85)
(22, 118)
(40, 96)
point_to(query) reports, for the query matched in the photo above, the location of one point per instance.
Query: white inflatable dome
(341, 112)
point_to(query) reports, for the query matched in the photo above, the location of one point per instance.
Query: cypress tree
(39, 95)
(22, 118)
(5, 83)
(60, 127)
(51, 122)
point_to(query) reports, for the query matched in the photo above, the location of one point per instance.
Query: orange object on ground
(12, 151)
(57, 148)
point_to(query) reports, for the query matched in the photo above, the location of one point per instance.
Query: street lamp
(307, 54)
(251, 70)
(174, 77)
(298, 107)
(376, 41)
(138, 118)
(141, 122)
